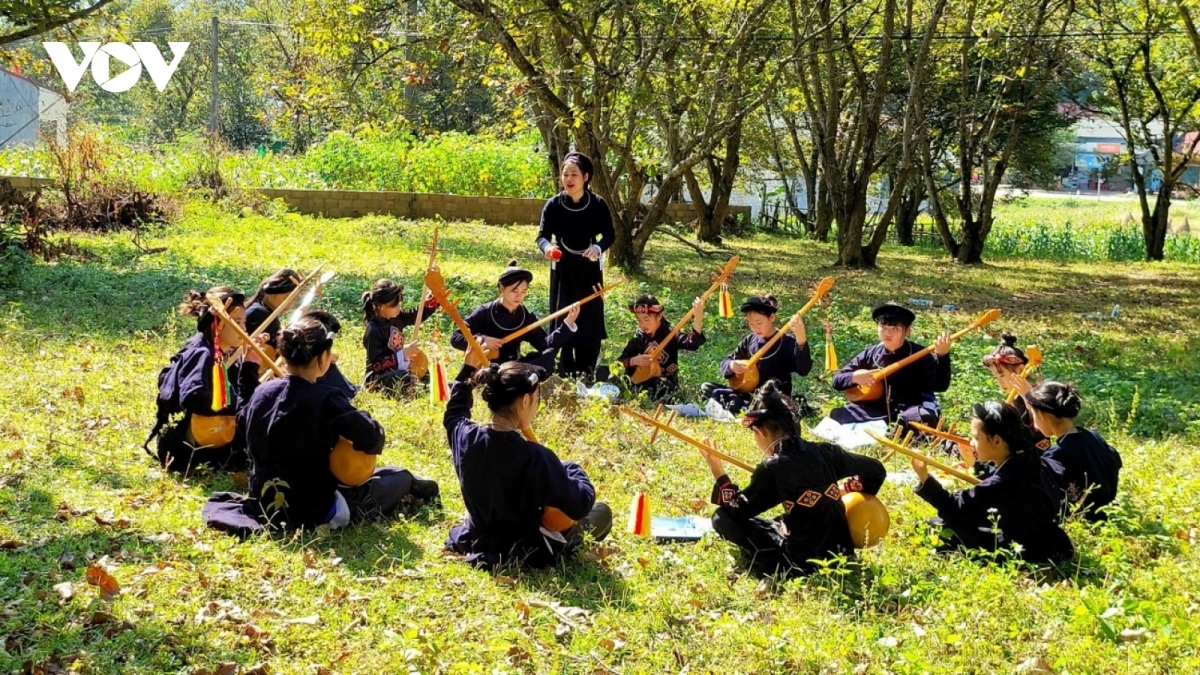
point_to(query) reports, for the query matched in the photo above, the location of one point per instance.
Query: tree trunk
(1154, 227)
(824, 214)
(908, 212)
(970, 248)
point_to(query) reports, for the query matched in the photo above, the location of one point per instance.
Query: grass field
(82, 340)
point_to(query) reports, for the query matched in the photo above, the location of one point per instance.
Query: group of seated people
(524, 504)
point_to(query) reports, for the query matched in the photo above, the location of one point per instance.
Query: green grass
(1079, 229)
(81, 343)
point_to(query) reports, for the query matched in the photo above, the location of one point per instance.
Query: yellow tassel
(831, 359)
(726, 303)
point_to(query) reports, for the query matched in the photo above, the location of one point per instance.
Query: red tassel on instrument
(439, 385)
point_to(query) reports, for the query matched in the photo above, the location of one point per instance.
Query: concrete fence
(357, 203)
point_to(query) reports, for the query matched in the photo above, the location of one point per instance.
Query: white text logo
(99, 58)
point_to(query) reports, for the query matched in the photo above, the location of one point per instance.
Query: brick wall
(356, 203)
(495, 210)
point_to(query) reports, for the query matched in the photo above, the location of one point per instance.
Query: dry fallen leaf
(65, 590)
(228, 668)
(97, 575)
(9, 544)
(260, 669)
(518, 655)
(612, 644)
(304, 620)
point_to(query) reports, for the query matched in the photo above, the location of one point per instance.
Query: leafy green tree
(994, 90)
(1151, 86)
(31, 18)
(650, 90)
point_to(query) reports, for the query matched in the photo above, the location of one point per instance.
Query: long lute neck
(421, 299)
(437, 285)
(562, 312)
(662, 345)
(916, 356)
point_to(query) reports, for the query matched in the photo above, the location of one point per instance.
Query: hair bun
(1009, 339)
(771, 300)
(512, 262)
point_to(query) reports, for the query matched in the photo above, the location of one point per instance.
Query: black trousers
(380, 495)
(579, 360)
(597, 523)
(761, 542)
(727, 397)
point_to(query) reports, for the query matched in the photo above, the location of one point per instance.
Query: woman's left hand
(593, 253)
(920, 468)
(1015, 381)
(252, 355)
(798, 330)
(714, 463)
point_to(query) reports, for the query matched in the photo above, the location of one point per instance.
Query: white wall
(18, 110)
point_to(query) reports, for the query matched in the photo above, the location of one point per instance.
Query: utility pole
(213, 125)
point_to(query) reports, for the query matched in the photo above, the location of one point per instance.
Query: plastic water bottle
(1116, 311)
(948, 308)
(920, 302)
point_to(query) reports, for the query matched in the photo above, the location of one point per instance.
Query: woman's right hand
(863, 378)
(552, 253)
(738, 367)
(640, 360)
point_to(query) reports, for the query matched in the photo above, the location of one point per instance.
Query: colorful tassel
(639, 515)
(726, 303)
(831, 359)
(439, 384)
(220, 379)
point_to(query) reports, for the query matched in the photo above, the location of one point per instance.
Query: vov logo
(99, 57)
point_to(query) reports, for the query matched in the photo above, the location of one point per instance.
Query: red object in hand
(555, 255)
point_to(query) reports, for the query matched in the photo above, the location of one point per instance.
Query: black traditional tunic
(186, 385)
(384, 344)
(908, 394)
(574, 228)
(507, 481)
(1091, 470)
(494, 320)
(803, 477)
(291, 426)
(669, 359)
(1026, 506)
(785, 358)
(256, 313)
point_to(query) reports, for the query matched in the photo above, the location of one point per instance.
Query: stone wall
(495, 210)
(356, 203)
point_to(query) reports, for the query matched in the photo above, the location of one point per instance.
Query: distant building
(1100, 150)
(28, 109)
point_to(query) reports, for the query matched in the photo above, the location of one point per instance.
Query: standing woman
(576, 229)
